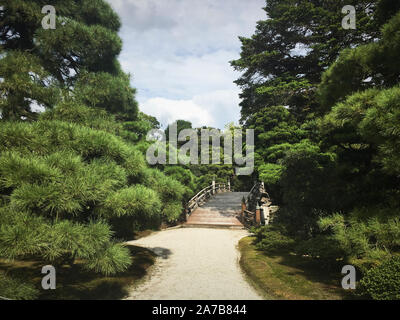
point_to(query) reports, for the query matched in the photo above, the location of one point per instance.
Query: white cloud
(222, 104)
(178, 52)
(167, 111)
(213, 109)
(183, 77)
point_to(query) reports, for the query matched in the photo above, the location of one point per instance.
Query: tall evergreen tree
(336, 170)
(79, 56)
(283, 61)
(72, 182)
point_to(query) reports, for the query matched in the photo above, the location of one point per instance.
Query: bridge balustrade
(256, 208)
(203, 195)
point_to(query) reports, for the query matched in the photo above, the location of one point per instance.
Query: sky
(178, 53)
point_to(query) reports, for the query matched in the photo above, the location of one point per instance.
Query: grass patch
(75, 283)
(286, 276)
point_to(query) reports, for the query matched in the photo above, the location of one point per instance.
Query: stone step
(205, 219)
(214, 226)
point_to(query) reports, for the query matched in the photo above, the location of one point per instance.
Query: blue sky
(178, 54)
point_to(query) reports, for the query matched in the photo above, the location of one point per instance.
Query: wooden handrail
(249, 195)
(250, 212)
(194, 201)
(252, 189)
(199, 193)
(251, 218)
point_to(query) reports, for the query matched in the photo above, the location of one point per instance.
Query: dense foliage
(324, 103)
(73, 177)
(46, 65)
(383, 282)
(196, 176)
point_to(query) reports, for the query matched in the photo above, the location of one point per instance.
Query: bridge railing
(203, 195)
(255, 206)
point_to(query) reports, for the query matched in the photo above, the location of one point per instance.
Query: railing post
(186, 212)
(258, 215)
(213, 186)
(265, 210)
(229, 185)
(243, 209)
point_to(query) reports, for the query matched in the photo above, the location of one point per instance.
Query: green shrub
(45, 137)
(133, 201)
(372, 259)
(184, 176)
(171, 192)
(383, 282)
(52, 199)
(16, 289)
(134, 164)
(360, 237)
(59, 179)
(271, 239)
(169, 189)
(172, 211)
(321, 247)
(16, 170)
(110, 259)
(71, 111)
(270, 173)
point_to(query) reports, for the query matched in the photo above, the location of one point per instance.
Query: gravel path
(194, 264)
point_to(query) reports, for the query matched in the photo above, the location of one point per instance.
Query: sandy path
(194, 264)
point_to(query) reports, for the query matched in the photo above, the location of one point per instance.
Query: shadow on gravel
(161, 252)
(76, 283)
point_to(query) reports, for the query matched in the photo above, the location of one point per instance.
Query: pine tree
(73, 179)
(283, 61)
(78, 57)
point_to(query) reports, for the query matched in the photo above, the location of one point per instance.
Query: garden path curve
(194, 264)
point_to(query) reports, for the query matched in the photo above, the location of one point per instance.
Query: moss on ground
(287, 276)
